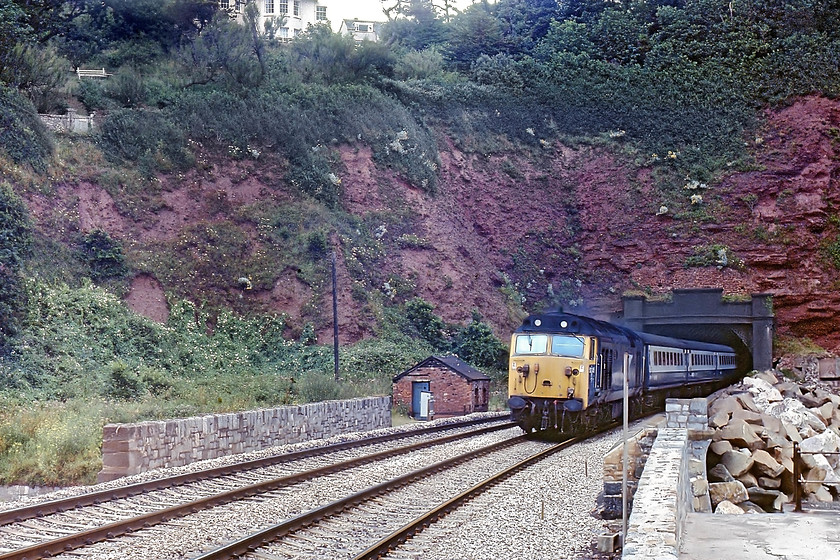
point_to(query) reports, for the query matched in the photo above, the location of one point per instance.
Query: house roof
(452, 362)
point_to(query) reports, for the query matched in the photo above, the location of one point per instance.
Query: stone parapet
(659, 508)
(638, 448)
(134, 448)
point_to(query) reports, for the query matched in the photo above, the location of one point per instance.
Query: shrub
(144, 137)
(22, 134)
(15, 248)
(717, 255)
(477, 345)
(316, 387)
(123, 383)
(103, 255)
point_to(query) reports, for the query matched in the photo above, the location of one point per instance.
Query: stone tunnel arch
(704, 314)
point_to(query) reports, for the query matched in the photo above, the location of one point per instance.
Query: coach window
(531, 343)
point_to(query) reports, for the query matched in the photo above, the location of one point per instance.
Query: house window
(269, 6)
(224, 4)
(283, 32)
(297, 8)
(284, 6)
(362, 27)
(321, 13)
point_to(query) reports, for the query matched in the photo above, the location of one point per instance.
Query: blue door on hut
(417, 388)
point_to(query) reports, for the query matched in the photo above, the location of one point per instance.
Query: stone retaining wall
(665, 493)
(134, 448)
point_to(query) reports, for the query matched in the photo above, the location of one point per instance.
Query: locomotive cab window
(565, 345)
(531, 344)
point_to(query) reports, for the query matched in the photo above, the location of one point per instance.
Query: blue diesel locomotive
(566, 372)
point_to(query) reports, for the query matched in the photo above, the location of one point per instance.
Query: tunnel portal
(704, 314)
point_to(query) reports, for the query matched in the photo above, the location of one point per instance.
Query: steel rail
(274, 532)
(92, 498)
(410, 529)
(112, 530)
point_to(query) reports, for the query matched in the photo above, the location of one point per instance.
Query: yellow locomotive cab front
(550, 366)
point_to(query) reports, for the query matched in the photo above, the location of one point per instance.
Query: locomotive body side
(566, 372)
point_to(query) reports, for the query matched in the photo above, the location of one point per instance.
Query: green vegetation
(717, 255)
(672, 87)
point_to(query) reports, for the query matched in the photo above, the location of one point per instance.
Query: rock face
(756, 425)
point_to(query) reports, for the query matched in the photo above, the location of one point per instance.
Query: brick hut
(455, 387)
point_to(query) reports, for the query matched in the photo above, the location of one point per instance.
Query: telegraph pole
(335, 319)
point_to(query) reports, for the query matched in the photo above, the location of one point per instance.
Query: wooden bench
(92, 73)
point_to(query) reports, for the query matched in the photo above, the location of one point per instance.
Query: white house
(361, 29)
(298, 13)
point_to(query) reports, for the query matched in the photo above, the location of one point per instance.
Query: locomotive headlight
(537, 322)
(563, 324)
(568, 371)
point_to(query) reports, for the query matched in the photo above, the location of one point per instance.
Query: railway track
(52, 528)
(390, 512)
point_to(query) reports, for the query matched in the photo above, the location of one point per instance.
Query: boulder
(774, 440)
(720, 447)
(788, 390)
(826, 442)
(827, 412)
(739, 434)
(767, 376)
(748, 479)
(727, 404)
(748, 416)
(768, 500)
(728, 508)
(791, 432)
(736, 462)
(794, 412)
(785, 458)
(763, 393)
(772, 424)
(747, 402)
(815, 477)
(734, 492)
(719, 420)
(719, 473)
(814, 399)
(769, 483)
(765, 464)
(822, 494)
(750, 507)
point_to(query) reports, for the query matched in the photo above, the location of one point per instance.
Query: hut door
(417, 387)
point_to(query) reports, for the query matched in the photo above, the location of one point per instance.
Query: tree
(477, 345)
(414, 24)
(13, 30)
(224, 49)
(525, 22)
(475, 32)
(320, 54)
(260, 38)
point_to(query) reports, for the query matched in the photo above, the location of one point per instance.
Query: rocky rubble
(751, 458)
